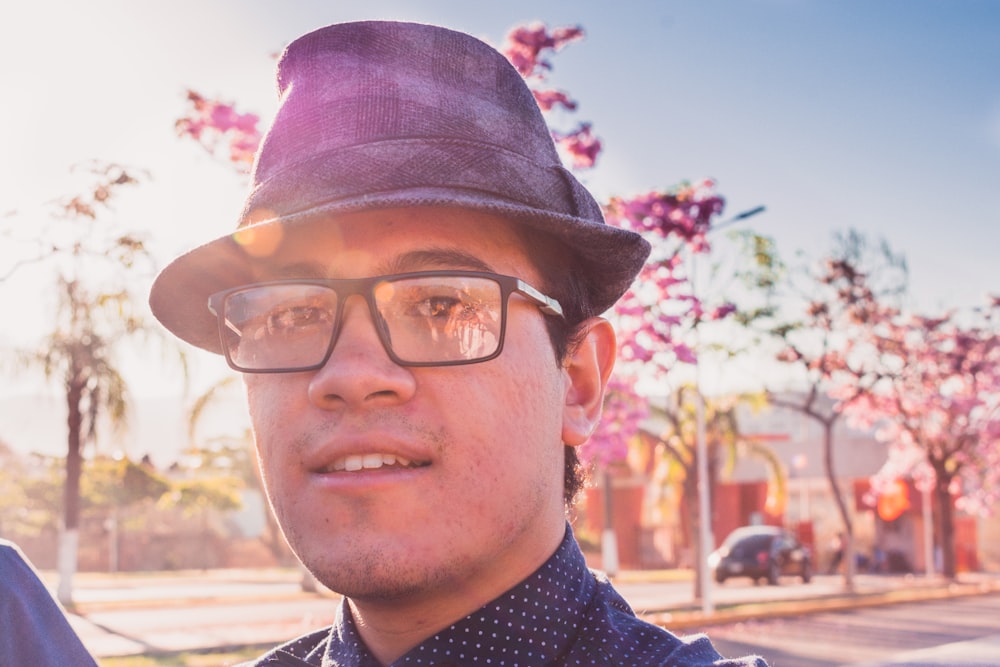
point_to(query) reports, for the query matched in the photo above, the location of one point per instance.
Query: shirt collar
(529, 625)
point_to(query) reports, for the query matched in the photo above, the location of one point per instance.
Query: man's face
(480, 500)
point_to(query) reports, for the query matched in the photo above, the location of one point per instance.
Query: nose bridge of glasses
(361, 296)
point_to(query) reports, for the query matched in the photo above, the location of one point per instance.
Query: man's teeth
(369, 462)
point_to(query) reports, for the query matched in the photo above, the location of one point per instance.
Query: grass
(186, 659)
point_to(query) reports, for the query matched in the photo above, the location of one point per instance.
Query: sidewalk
(824, 594)
(190, 611)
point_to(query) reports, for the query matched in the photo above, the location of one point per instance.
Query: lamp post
(701, 448)
(799, 463)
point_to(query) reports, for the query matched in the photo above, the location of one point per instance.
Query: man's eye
(295, 317)
(448, 307)
(441, 306)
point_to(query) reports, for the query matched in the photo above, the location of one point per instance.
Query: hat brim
(607, 257)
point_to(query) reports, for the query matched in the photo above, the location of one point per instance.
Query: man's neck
(390, 628)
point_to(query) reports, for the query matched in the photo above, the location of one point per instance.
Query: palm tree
(89, 325)
(79, 355)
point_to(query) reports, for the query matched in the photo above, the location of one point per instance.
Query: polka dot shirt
(563, 614)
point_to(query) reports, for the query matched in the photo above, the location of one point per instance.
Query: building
(650, 510)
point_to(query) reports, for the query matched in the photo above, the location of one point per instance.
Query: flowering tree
(829, 311)
(934, 395)
(928, 385)
(528, 48)
(656, 318)
(661, 304)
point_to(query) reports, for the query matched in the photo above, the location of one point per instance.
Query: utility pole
(705, 541)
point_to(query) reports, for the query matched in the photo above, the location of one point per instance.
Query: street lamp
(799, 463)
(704, 500)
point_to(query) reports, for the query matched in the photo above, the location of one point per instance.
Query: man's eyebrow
(297, 270)
(436, 258)
(415, 260)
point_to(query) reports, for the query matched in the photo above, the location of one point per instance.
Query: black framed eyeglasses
(426, 318)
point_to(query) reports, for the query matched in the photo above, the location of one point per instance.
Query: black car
(761, 552)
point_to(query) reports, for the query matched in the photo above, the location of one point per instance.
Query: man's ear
(587, 367)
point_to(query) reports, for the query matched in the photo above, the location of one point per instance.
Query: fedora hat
(376, 115)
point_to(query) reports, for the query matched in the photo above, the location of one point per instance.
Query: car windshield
(748, 539)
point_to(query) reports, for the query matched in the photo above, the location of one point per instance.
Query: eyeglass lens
(422, 319)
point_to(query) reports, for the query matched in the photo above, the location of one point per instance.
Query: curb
(692, 619)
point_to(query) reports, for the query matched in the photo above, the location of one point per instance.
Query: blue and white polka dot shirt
(563, 614)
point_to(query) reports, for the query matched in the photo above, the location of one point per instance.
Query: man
(413, 296)
(34, 630)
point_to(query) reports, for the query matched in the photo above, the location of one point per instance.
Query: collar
(530, 625)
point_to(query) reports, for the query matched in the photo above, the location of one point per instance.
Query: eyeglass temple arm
(547, 304)
(228, 323)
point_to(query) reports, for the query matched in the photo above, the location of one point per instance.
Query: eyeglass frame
(345, 288)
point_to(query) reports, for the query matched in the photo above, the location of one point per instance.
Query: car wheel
(720, 578)
(773, 573)
(807, 572)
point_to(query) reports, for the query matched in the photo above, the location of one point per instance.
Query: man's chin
(376, 572)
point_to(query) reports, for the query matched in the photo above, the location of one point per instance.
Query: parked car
(761, 552)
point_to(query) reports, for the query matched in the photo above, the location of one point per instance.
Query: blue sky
(882, 115)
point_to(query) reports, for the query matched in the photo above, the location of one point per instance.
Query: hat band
(378, 169)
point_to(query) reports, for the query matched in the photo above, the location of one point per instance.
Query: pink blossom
(582, 146)
(528, 48)
(549, 99)
(623, 414)
(526, 45)
(218, 126)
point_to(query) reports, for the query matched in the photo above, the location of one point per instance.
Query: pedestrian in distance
(413, 296)
(837, 553)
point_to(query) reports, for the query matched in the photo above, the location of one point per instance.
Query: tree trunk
(694, 521)
(68, 543)
(845, 517)
(69, 537)
(946, 525)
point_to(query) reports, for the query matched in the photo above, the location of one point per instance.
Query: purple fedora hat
(378, 115)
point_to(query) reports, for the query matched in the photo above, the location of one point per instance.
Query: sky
(878, 115)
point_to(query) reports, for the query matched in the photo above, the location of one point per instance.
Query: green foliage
(194, 496)
(765, 269)
(110, 483)
(30, 494)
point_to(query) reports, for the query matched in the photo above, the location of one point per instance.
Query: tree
(825, 317)
(656, 318)
(31, 494)
(82, 237)
(110, 486)
(13, 499)
(79, 352)
(80, 356)
(675, 440)
(933, 392)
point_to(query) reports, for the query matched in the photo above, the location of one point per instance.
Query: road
(962, 631)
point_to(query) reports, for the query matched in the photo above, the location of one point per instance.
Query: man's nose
(359, 372)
